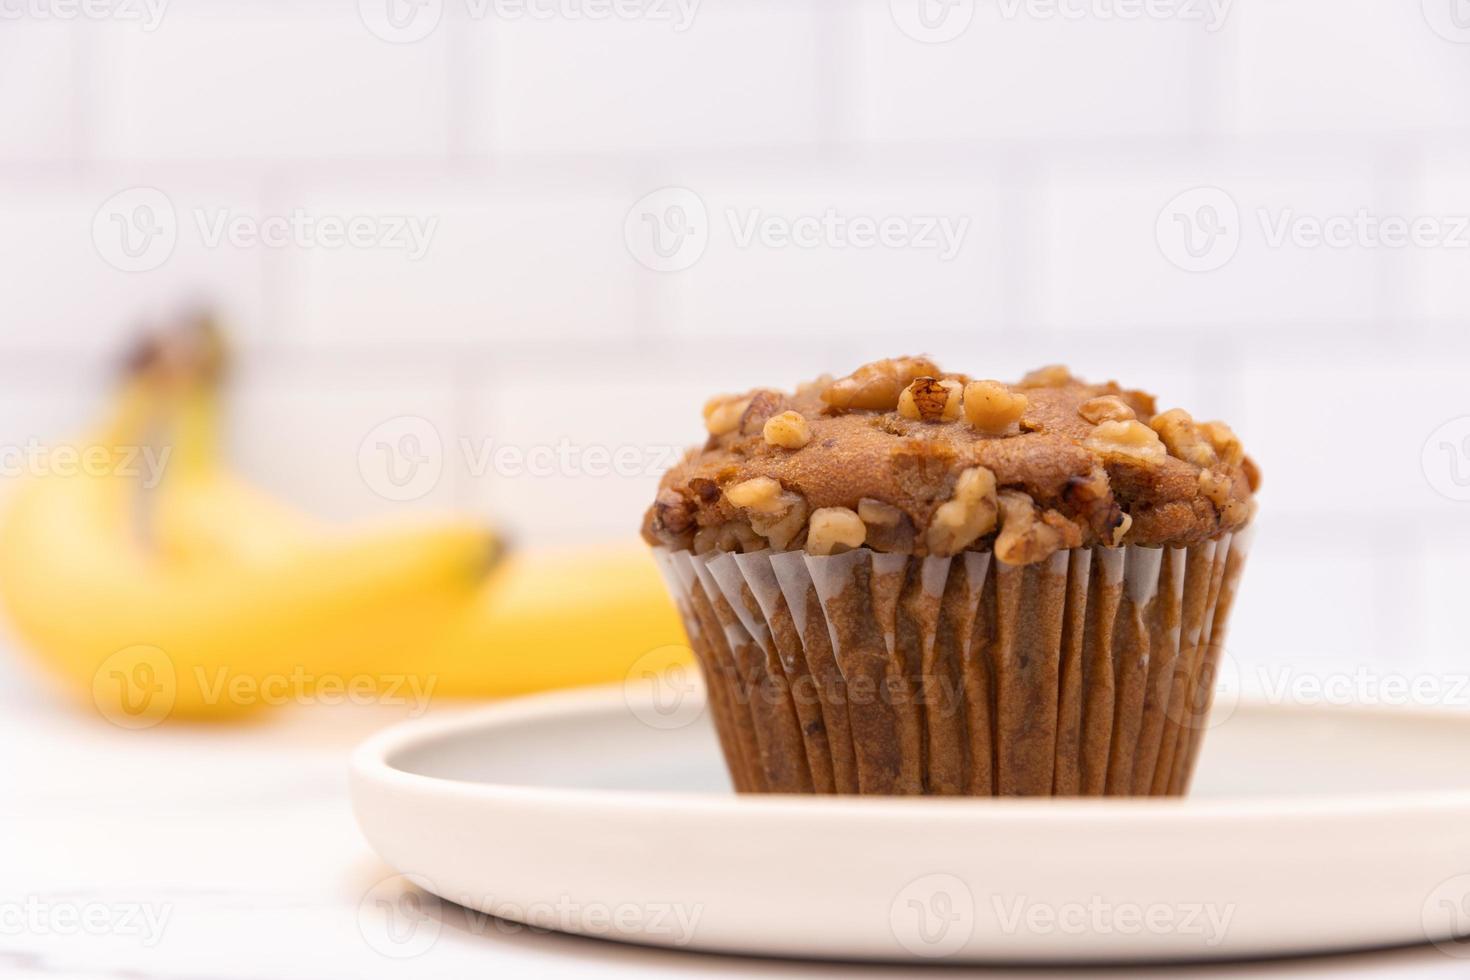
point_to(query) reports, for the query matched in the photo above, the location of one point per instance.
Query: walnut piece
(672, 511)
(782, 525)
(730, 536)
(777, 514)
(1121, 531)
(889, 529)
(1224, 442)
(876, 386)
(930, 400)
(789, 430)
(1051, 376)
(1106, 408)
(876, 512)
(834, 530)
(1177, 430)
(966, 515)
(1129, 441)
(1252, 473)
(760, 494)
(722, 414)
(1027, 534)
(992, 408)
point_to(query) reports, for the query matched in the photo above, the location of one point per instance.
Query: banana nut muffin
(831, 551)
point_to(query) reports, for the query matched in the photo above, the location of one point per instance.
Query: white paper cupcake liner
(1087, 674)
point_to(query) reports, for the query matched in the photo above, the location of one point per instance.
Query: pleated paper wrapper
(1087, 674)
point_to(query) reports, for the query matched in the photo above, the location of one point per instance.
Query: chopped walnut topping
(1215, 487)
(1106, 408)
(783, 525)
(1128, 441)
(1028, 535)
(761, 406)
(1252, 473)
(776, 513)
(722, 414)
(1183, 440)
(730, 536)
(761, 494)
(889, 529)
(789, 430)
(1121, 531)
(834, 530)
(993, 408)
(959, 521)
(707, 491)
(877, 512)
(1224, 442)
(1051, 376)
(673, 511)
(876, 386)
(930, 400)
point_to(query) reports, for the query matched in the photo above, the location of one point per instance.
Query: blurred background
(1200, 198)
(491, 257)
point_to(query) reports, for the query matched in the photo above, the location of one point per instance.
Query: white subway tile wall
(524, 239)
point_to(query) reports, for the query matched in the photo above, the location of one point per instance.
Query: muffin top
(902, 457)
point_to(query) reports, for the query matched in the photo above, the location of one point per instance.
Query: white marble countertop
(230, 851)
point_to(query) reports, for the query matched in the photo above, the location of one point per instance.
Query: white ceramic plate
(1308, 830)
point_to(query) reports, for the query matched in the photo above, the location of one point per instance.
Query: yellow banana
(86, 596)
(233, 591)
(541, 620)
(556, 619)
(201, 512)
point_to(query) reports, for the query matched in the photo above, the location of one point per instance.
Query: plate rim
(369, 763)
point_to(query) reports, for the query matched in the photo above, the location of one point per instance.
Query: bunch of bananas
(206, 597)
